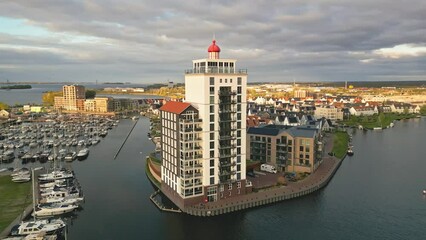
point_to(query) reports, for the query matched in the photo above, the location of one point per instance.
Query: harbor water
(376, 194)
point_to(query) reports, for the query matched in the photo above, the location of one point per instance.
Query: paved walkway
(311, 183)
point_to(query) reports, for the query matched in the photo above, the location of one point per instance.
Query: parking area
(263, 179)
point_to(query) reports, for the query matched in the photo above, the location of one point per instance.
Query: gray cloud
(149, 41)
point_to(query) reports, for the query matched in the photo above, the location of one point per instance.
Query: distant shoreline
(11, 87)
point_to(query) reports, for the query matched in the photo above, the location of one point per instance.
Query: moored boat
(350, 151)
(83, 153)
(38, 226)
(51, 210)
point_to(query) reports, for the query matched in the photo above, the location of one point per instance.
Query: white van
(268, 168)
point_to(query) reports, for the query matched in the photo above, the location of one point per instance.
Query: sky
(155, 41)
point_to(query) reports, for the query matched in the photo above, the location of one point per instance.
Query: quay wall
(266, 196)
(261, 198)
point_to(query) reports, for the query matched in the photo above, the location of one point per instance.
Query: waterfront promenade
(310, 184)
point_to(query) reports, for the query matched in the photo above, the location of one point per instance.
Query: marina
(130, 209)
(56, 192)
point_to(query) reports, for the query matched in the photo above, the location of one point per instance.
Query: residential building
(329, 112)
(73, 97)
(206, 134)
(4, 114)
(289, 149)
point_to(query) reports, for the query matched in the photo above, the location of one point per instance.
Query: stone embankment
(317, 180)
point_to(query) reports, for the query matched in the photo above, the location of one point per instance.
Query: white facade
(197, 92)
(329, 112)
(207, 85)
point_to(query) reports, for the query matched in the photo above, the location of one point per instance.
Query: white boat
(70, 156)
(38, 226)
(34, 236)
(18, 171)
(8, 156)
(62, 192)
(21, 178)
(56, 175)
(95, 141)
(83, 153)
(63, 200)
(52, 184)
(53, 210)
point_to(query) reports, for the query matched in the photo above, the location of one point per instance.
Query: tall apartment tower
(204, 138)
(74, 96)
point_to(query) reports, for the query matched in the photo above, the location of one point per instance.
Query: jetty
(160, 205)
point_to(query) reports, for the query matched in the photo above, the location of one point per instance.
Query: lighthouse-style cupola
(214, 50)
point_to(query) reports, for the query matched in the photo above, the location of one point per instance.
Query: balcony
(197, 120)
(197, 129)
(190, 167)
(197, 156)
(227, 164)
(228, 137)
(191, 139)
(227, 93)
(191, 175)
(227, 146)
(227, 155)
(227, 70)
(227, 110)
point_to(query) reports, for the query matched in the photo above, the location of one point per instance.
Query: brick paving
(313, 182)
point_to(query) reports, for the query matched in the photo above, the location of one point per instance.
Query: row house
(404, 108)
(363, 110)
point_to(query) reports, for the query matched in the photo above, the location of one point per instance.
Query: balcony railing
(227, 110)
(229, 70)
(191, 175)
(227, 155)
(225, 146)
(227, 137)
(197, 120)
(227, 93)
(198, 156)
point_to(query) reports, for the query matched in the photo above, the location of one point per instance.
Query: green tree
(90, 93)
(3, 106)
(48, 98)
(423, 110)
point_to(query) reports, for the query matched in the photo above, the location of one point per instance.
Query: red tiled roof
(175, 107)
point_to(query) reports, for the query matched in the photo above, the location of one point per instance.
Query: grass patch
(150, 176)
(340, 144)
(14, 198)
(382, 120)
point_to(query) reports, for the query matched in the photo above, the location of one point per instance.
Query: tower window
(239, 80)
(211, 80)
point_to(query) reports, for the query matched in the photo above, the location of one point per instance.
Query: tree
(48, 98)
(90, 93)
(3, 106)
(423, 110)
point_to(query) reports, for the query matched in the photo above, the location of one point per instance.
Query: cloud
(403, 50)
(147, 41)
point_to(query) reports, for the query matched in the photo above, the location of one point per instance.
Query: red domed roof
(214, 47)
